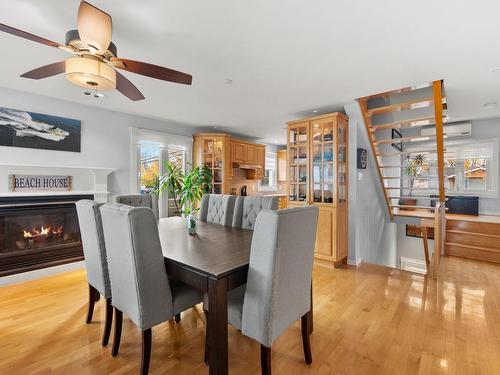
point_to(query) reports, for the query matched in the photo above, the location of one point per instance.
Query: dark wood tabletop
(215, 251)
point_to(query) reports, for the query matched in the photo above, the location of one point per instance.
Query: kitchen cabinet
(281, 156)
(317, 175)
(214, 151)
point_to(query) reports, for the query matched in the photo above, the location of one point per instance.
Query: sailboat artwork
(36, 130)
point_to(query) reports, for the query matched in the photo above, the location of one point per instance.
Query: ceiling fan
(95, 57)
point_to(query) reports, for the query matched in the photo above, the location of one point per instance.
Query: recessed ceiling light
(315, 111)
(98, 95)
(490, 105)
(228, 81)
(215, 127)
(275, 141)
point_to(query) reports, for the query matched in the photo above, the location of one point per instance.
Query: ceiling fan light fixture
(87, 72)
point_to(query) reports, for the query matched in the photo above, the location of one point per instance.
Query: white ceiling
(286, 58)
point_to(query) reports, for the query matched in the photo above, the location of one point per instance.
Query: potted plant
(188, 189)
(414, 166)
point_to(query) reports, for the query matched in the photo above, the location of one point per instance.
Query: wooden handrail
(439, 237)
(438, 114)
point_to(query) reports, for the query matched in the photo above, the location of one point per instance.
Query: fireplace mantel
(86, 180)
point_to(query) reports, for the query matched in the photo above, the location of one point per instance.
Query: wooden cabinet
(237, 152)
(250, 154)
(317, 175)
(281, 156)
(214, 151)
(221, 154)
(282, 201)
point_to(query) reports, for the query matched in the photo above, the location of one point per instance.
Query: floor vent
(413, 265)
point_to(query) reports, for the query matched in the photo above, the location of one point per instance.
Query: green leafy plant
(414, 166)
(171, 182)
(186, 189)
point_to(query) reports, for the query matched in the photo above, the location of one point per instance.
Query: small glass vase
(191, 224)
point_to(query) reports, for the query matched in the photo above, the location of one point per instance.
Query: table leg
(217, 336)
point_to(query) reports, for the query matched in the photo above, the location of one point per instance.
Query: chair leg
(146, 351)
(107, 322)
(305, 339)
(178, 317)
(206, 337)
(118, 332)
(93, 298)
(265, 360)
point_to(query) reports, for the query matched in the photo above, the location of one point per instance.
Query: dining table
(214, 261)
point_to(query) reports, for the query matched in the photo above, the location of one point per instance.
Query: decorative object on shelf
(413, 167)
(35, 130)
(20, 183)
(416, 231)
(189, 188)
(362, 158)
(396, 134)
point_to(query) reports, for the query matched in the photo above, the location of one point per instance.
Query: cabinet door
(325, 233)
(261, 160)
(238, 152)
(282, 166)
(251, 154)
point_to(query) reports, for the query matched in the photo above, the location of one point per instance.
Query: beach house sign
(21, 183)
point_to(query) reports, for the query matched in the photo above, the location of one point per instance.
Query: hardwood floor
(368, 320)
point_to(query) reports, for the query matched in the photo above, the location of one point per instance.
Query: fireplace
(38, 232)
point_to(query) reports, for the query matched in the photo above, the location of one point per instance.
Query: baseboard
(37, 274)
(355, 262)
(413, 265)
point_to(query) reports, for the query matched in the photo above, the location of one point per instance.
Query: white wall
(372, 237)
(105, 140)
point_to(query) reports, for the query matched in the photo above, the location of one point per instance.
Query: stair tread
(473, 247)
(409, 123)
(409, 105)
(457, 231)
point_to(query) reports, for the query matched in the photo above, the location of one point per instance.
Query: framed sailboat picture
(35, 130)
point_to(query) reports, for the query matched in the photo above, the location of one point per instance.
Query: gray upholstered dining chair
(278, 288)
(246, 210)
(139, 282)
(217, 209)
(139, 200)
(94, 250)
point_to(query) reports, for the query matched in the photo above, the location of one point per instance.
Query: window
(150, 151)
(149, 170)
(268, 182)
(470, 168)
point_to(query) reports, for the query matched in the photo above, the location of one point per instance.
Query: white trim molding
(43, 272)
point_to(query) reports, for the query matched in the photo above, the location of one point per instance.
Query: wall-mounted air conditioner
(453, 130)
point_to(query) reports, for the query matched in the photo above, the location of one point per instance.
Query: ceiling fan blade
(46, 71)
(95, 27)
(153, 71)
(127, 88)
(26, 35)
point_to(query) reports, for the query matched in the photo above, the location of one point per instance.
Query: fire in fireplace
(38, 232)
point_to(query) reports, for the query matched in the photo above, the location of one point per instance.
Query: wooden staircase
(407, 111)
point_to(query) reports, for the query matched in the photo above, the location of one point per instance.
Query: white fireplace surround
(85, 180)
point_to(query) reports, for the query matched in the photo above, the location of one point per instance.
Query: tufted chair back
(246, 210)
(139, 200)
(217, 209)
